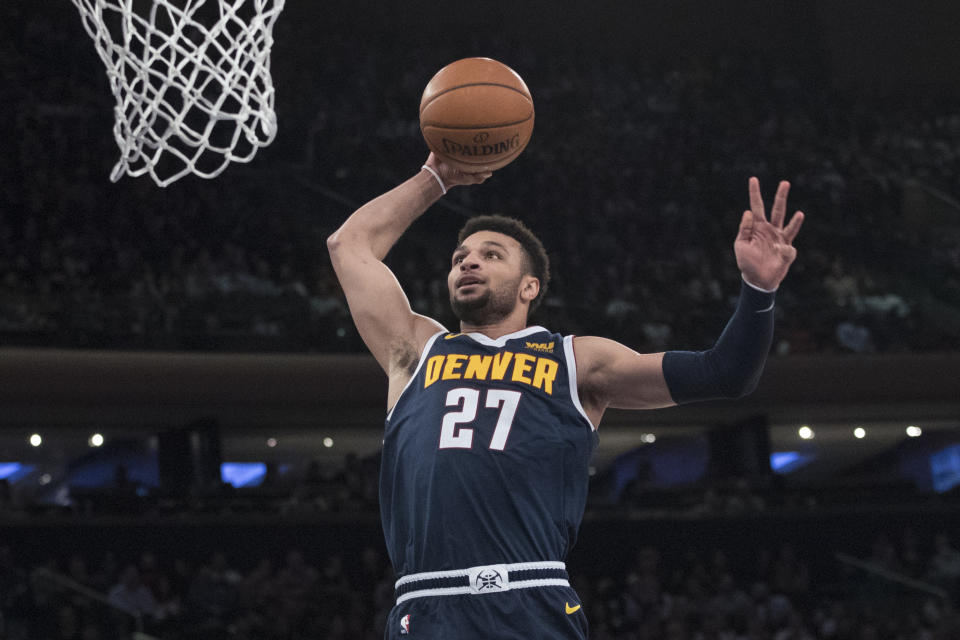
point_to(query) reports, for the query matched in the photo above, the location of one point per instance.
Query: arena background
(200, 325)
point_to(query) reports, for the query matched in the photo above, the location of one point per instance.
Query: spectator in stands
(213, 597)
(131, 595)
(790, 576)
(168, 605)
(77, 570)
(944, 566)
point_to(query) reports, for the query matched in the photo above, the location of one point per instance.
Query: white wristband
(753, 286)
(437, 176)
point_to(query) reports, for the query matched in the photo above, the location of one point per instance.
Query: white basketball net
(192, 82)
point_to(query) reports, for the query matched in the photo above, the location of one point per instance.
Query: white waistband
(482, 579)
(456, 573)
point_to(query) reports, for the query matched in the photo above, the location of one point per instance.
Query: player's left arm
(612, 375)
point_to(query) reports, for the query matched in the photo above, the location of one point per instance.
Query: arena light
(648, 438)
(36, 440)
(945, 468)
(243, 474)
(271, 442)
(328, 442)
(805, 432)
(8, 469)
(96, 440)
(14, 472)
(859, 433)
(914, 431)
(784, 462)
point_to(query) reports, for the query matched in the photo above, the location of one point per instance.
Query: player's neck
(496, 329)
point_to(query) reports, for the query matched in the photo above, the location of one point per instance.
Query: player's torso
(486, 454)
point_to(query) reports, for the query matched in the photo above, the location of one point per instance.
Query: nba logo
(405, 625)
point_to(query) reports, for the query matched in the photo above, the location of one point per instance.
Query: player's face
(485, 276)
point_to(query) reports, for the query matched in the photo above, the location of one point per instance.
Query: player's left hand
(764, 248)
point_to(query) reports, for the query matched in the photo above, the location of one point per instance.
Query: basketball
(476, 114)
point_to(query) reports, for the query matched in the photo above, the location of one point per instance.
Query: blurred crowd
(747, 560)
(772, 594)
(704, 593)
(310, 491)
(635, 179)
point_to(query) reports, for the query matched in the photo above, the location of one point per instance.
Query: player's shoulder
(598, 343)
(595, 343)
(593, 351)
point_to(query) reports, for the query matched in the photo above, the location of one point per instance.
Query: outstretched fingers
(780, 204)
(793, 227)
(746, 225)
(756, 200)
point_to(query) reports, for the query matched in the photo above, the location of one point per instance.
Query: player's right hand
(453, 177)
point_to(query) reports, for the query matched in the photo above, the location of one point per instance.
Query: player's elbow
(337, 252)
(338, 247)
(737, 387)
(741, 391)
(334, 242)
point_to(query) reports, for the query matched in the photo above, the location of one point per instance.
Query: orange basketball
(477, 114)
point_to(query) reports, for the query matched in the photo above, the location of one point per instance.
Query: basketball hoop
(191, 79)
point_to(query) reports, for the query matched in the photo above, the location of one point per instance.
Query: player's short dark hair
(536, 262)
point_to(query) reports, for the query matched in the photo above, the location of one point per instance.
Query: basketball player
(490, 429)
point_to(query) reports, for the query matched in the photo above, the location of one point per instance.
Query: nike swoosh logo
(770, 308)
(571, 609)
(452, 335)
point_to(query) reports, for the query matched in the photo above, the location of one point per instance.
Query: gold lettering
(521, 365)
(500, 363)
(452, 369)
(478, 367)
(434, 365)
(455, 366)
(544, 375)
(546, 347)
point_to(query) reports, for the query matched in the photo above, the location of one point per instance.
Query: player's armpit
(381, 312)
(610, 374)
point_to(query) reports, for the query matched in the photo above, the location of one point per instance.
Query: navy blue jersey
(485, 454)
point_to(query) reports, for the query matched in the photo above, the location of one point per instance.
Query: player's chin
(469, 302)
(468, 291)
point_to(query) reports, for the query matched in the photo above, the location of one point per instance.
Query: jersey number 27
(467, 401)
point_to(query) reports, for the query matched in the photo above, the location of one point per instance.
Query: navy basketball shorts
(492, 603)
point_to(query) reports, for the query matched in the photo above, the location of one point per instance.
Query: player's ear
(529, 288)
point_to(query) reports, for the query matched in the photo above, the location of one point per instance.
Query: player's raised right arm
(380, 309)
